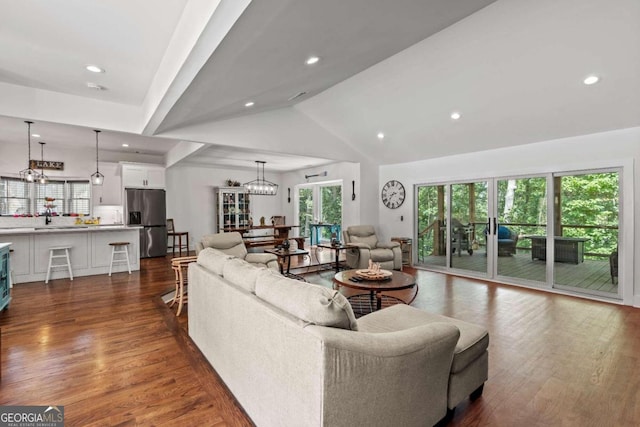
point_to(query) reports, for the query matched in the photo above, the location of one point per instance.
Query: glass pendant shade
(261, 186)
(97, 178)
(29, 174)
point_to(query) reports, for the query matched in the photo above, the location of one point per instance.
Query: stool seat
(119, 248)
(53, 255)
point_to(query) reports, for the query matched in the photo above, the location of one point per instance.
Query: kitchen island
(90, 253)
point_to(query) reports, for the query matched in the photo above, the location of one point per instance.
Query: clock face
(393, 194)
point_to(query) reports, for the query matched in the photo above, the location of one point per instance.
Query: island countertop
(90, 251)
(66, 228)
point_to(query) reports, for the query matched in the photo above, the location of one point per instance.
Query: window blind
(14, 197)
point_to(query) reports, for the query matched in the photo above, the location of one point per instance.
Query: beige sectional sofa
(293, 354)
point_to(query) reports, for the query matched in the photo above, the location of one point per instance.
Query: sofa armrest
(261, 258)
(361, 368)
(388, 245)
(360, 245)
(199, 247)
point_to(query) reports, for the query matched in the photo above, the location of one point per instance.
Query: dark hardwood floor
(112, 353)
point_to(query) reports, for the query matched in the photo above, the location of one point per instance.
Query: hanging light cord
(97, 132)
(29, 139)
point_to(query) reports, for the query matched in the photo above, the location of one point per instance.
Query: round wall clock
(393, 194)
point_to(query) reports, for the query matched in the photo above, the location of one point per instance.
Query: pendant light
(42, 179)
(29, 174)
(97, 178)
(261, 186)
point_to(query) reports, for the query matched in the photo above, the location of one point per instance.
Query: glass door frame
(492, 249)
(317, 200)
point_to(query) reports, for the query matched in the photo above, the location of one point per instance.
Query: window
(21, 198)
(14, 197)
(78, 197)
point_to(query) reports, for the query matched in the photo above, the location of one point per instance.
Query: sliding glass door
(586, 227)
(521, 224)
(501, 227)
(469, 216)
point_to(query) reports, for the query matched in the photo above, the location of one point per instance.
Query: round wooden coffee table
(374, 298)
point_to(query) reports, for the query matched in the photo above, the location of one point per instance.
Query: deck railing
(603, 239)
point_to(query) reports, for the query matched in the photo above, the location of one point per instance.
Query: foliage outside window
(319, 203)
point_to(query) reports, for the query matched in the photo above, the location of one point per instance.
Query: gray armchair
(366, 247)
(232, 244)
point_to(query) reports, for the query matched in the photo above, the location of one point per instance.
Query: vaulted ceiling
(177, 78)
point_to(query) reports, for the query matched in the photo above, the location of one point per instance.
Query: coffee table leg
(378, 300)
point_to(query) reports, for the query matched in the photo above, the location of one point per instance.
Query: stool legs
(67, 264)
(66, 252)
(124, 251)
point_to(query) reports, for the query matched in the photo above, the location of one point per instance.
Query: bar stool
(171, 232)
(116, 249)
(53, 254)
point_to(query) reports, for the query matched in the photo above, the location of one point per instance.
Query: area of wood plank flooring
(113, 353)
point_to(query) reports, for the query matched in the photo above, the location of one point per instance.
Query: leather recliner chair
(367, 247)
(232, 244)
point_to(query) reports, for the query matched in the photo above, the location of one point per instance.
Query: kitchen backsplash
(107, 214)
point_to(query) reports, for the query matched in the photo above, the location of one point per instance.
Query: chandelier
(261, 186)
(29, 174)
(97, 178)
(42, 179)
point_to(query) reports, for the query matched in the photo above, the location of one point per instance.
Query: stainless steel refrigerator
(148, 208)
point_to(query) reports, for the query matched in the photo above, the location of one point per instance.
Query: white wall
(191, 198)
(606, 149)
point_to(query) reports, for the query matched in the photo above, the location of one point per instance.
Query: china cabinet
(234, 211)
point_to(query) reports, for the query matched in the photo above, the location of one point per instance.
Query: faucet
(47, 214)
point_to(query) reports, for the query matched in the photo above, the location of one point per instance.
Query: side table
(284, 256)
(179, 266)
(406, 248)
(336, 248)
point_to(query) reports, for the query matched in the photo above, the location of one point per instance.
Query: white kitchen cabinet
(143, 176)
(110, 192)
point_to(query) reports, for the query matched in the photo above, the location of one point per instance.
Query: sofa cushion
(504, 232)
(473, 342)
(370, 240)
(380, 255)
(214, 260)
(242, 274)
(313, 304)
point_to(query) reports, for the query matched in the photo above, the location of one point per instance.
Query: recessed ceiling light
(95, 86)
(94, 69)
(125, 145)
(35, 135)
(249, 104)
(456, 115)
(380, 135)
(312, 60)
(590, 80)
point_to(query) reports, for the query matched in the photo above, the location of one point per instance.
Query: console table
(567, 249)
(315, 228)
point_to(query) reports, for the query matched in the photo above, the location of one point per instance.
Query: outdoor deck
(591, 275)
